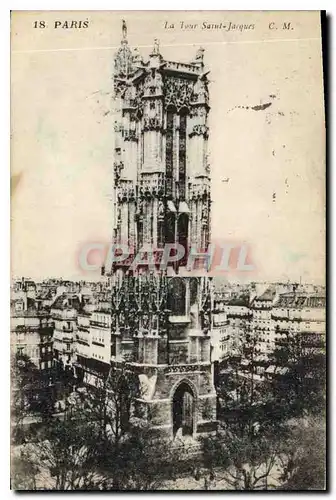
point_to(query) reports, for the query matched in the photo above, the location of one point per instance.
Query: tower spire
(123, 58)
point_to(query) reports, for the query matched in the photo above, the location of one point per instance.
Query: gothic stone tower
(161, 320)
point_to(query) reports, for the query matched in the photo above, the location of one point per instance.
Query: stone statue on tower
(156, 48)
(124, 29)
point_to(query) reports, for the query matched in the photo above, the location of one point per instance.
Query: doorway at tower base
(180, 405)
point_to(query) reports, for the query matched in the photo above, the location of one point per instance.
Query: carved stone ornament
(123, 60)
(184, 368)
(152, 123)
(118, 167)
(126, 191)
(178, 92)
(201, 90)
(120, 87)
(130, 135)
(151, 187)
(205, 214)
(161, 210)
(156, 47)
(137, 58)
(137, 102)
(200, 130)
(199, 191)
(199, 55)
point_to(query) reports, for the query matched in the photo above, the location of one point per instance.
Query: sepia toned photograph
(168, 287)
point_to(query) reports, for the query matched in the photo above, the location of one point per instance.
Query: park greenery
(271, 430)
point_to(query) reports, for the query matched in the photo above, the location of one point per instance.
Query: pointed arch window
(182, 153)
(193, 287)
(182, 232)
(169, 151)
(177, 297)
(170, 227)
(160, 237)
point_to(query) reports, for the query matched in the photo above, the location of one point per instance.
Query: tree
(24, 472)
(108, 402)
(292, 458)
(127, 454)
(242, 462)
(73, 453)
(148, 461)
(241, 392)
(257, 434)
(81, 448)
(63, 455)
(299, 379)
(32, 395)
(27, 384)
(303, 459)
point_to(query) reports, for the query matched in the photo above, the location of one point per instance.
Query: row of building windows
(46, 364)
(46, 349)
(32, 352)
(97, 356)
(100, 340)
(103, 319)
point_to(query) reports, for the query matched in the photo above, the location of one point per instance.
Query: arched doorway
(183, 410)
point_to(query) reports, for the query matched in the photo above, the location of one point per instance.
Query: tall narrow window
(182, 231)
(147, 223)
(140, 231)
(177, 297)
(161, 231)
(169, 152)
(170, 228)
(193, 287)
(142, 150)
(182, 155)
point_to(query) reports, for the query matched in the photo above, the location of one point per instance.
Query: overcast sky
(267, 164)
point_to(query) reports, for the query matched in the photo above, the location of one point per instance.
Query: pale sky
(268, 166)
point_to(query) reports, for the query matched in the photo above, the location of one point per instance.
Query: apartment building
(64, 312)
(31, 331)
(269, 320)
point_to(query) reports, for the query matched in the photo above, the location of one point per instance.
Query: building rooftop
(268, 295)
(295, 300)
(66, 301)
(242, 300)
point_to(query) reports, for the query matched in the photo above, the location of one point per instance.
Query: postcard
(168, 326)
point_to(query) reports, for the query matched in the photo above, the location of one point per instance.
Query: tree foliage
(298, 386)
(303, 460)
(242, 462)
(31, 394)
(93, 444)
(265, 438)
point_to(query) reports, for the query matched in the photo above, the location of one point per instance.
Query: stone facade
(161, 320)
